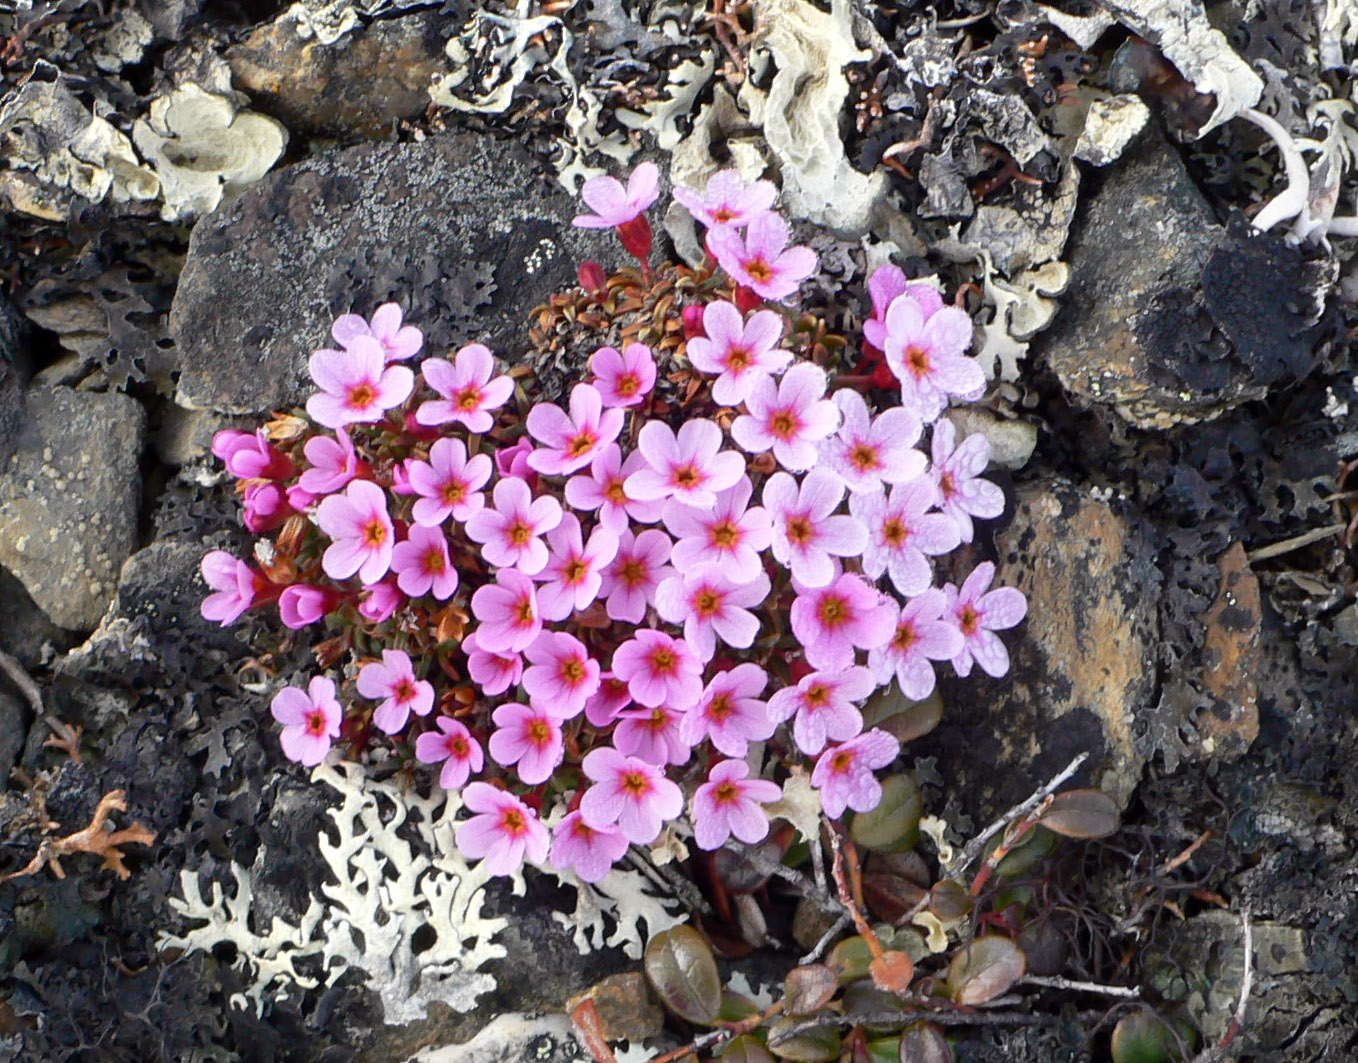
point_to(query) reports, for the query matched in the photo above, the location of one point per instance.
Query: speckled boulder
(459, 229)
(68, 501)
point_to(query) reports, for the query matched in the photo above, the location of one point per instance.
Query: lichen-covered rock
(459, 229)
(360, 84)
(68, 501)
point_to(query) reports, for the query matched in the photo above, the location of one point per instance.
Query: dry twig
(97, 838)
(64, 737)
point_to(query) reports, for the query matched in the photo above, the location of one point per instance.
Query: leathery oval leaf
(923, 1042)
(894, 823)
(1143, 1037)
(796, 1038)
(683, 972)
(809, 987)
(985, 969)
(745, 1049)
(1082, 814)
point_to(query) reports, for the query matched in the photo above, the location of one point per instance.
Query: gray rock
(13, 716)
(68, 501)
(24, 628)
(458, 229)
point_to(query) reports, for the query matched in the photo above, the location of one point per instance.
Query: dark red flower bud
(748, 299)
(592, 278)
(636, 237)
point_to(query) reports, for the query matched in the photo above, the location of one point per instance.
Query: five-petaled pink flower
(659, 669)
(508, 613)
(902, 531)
(422, 565)
(730, 711)
(310, 718)
(868, 451)
(399, 341)
(690, 466)
(505, 832)
(357, 385)
(832, 621)
(922, 636)
(926, 354)
(963, 492)
(623, 379)
(727, 200)
(589, 851)
(789, 417)
(529, 739)
(562, 677)
(824, 706)
(301, 604)
(609, 700)
(250, 455)
(742, 352)
(361, 532)
(844, 773)
(493, 672)
(380, 600)
(710, 604)
(726, 535)
(449, 483)
(639, 566)
(652, 734)
(393, 680)
(806, 529)
(887, 282)
(729, 803)
(510, 533)
(574, 571)
(469, 389)
(979, 615)
(334, 462)
(614, 205)
(570, 442)
(761, 259)
(453, 745)
(629, 793)
(604, 488)
(234, 584)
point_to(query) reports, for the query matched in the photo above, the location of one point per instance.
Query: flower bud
(592, 278)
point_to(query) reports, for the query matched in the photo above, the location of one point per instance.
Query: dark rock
(24, 628)
(68, 501)
(361, 84)
(458, 229)
(13, 727)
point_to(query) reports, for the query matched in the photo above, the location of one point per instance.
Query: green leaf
(746, 1049)
(851, 958)
(985, 969)
(894, 823)
(683, 972)
(813, 1045)
(808, 988)
(1143, 1037)
(900, 717)
(1082, 814)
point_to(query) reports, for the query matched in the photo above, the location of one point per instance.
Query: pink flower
(467, 390)
(887, 282)
(508, 613)
(334, 462)
(510, 533)
(806, 531)
(303, 603)
(265, 505)
(571, 442)
(789, 416)
(963, 492)
(494, 673)
(979, 615)
(741, 352)
(728, 803)
(843, 774)
(921, 637)
(868, 452)
(726, 535)
(927, 356)
(761, 260)
(234, 583)
(651, 734)
(901, 531)
(505, 833)
(832, 621)
(612, 204)
(449, 483)
(824, 706)
(529, 738)
(728, 200)
(250, 455)
(513, 461)
(399, 342)
(687, 466)
(310, 718)
(659, 669)
(709, 605)
(563, 675)
(574, 571)
(730, 712)
(605, 489)
(623, 379)
(453, 745)
(609, 700)
(589, 851)
(361, 532)
(637, 570)
(629, 793)
(381, 600)
(422, 564)
(392, 679)
(357, 386)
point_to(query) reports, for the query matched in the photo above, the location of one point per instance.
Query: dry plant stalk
(97, 838)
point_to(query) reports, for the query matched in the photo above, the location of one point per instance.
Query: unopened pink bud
(592, 277)
(692, 316)
(302, 604)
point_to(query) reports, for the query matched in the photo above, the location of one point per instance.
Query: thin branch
(836, 928)
(1297, 541)
(769, 866)
(70, 740)
(1122, 991)
(1218, 1051)
(977, 845)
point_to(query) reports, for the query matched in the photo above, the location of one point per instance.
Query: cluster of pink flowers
(643, 601)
